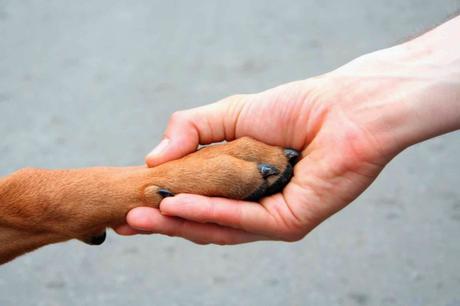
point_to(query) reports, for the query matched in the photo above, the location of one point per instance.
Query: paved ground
(90, 83)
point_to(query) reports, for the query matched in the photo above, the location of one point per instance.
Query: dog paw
(244, 169)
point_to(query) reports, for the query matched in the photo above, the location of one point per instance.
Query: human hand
(348, 124)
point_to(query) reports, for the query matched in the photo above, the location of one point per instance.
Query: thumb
(202, 125)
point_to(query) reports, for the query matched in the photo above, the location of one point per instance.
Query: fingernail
(159, 148)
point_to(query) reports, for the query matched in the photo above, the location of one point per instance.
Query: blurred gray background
(85, 83)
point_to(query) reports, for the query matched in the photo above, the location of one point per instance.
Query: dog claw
(291, 155)
(165, 193)
(267, 170)
(97, 240)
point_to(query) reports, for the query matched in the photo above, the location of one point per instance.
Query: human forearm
(436, 55)
(407, 93)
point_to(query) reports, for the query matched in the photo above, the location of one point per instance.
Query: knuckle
(223, 240)
(234, 99)
(210, 212)
(178, 116)
(170, 234)
(201, 242)
(293, 235)
(220, 242)
(291, 229)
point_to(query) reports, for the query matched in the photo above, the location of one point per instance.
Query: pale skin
(348, 124)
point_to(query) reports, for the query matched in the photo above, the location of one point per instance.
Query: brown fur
(39, 207)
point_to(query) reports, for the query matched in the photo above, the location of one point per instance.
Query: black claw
(280, 182)
(266, 170)
(165, 193)
(292, 155)
(98, 240)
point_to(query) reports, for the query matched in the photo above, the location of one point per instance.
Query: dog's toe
(97, 239)
(281, 181)
(277, 184)
(292, 155)
(267, 170)
(273, 179)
